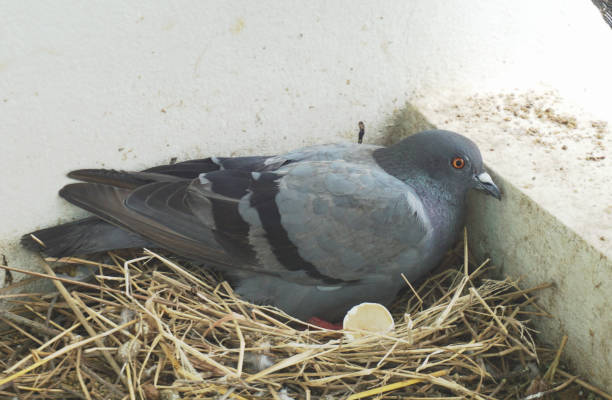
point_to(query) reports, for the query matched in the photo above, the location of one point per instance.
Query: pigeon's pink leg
(324, 324)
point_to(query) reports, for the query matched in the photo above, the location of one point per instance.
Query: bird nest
(150, 328)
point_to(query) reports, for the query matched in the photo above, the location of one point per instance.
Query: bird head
(446, 159)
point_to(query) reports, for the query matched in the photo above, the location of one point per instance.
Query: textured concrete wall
(525, 241)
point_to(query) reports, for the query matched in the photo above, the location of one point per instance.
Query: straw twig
(152, 327)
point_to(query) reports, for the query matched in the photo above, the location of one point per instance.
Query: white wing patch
(216, 161)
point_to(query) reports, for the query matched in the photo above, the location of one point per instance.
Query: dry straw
(149, 328)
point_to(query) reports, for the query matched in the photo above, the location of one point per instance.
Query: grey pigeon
(314, 231)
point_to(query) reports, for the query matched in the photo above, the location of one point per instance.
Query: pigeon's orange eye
(458, 163)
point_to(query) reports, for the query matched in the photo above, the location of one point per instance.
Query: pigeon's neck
(446, 214)
(446, 209)
(396, 160)
(445, 203)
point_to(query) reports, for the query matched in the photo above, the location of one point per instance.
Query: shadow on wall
(403, 123)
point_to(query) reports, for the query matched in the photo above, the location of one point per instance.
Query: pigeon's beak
(486, 184)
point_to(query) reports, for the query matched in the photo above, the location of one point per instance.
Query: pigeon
(313, 232)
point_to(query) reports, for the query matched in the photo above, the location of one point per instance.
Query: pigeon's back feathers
(193, 168)
(317, 230)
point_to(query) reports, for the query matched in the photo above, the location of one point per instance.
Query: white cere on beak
(485, 178)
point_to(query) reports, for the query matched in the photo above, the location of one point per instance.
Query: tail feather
(84, 236)
(186, 169)
(109, 203)
(121, 179)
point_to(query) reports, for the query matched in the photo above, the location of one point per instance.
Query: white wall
(118, 85)
(126, 86)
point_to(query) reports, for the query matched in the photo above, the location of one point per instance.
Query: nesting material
(149, 328)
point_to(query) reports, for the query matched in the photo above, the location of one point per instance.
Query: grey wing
(156, 211)
(317, 222)
(192, 168)
(352, 221)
